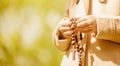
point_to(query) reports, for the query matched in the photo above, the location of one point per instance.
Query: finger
(81, 19)
(83, 24)
(68, 37)
(66, 24)
(62, 29)
(86, 29)
(68, 33)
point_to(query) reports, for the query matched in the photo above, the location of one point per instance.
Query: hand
(65, 28)
(87, 24)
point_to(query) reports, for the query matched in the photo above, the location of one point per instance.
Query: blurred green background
(26, 28)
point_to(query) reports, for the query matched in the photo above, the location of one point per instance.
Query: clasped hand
(86, 24)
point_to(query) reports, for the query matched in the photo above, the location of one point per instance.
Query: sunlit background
(26, 28)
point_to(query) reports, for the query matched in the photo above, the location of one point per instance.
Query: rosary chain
(76, 45)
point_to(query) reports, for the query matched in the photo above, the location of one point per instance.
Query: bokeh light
(26, 28)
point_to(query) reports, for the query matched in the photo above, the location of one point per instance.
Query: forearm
(108, 28)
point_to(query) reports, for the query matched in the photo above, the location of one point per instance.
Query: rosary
(77, 45)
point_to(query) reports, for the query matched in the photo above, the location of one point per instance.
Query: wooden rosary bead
(73, 26)
(73, 39)
(73, 42)
(81, 36)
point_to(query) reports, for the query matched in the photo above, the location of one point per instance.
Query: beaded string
(74, 38)
(77, 46)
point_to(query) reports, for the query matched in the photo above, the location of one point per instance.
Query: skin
(86, 24)
(65, 29)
